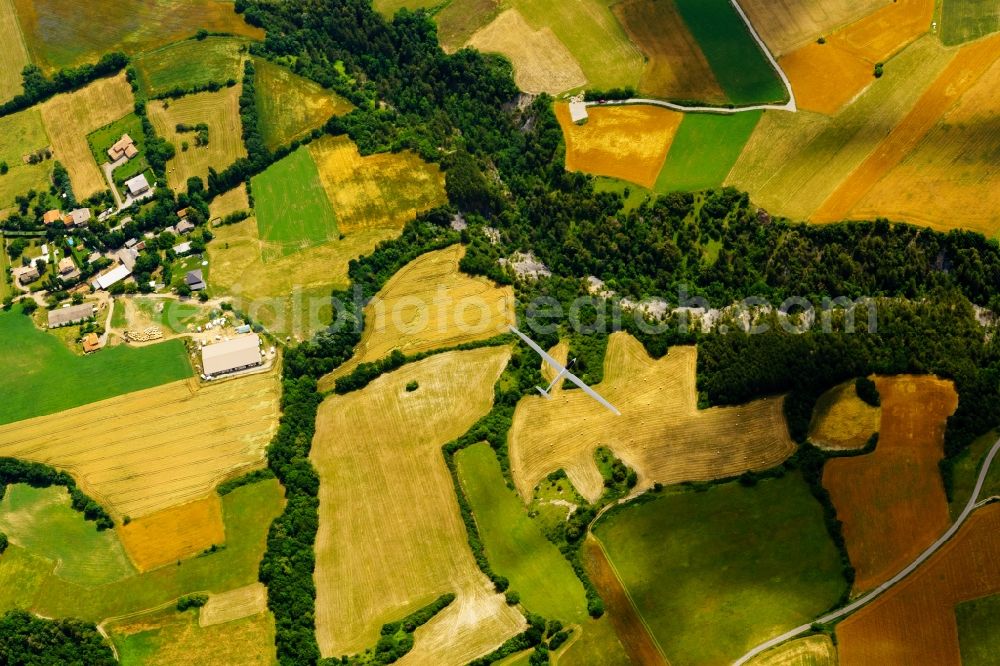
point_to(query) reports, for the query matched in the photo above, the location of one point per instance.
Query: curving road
(881, 589)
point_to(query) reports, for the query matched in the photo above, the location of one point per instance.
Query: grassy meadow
(38, 375)
(13, 52)
(514, 544)
(966, 20)
(65, 33)
(41, 521)
(292, 208)
(979, 630)
(22, 133)
(741, 68)
(704, 150)
(102, 139)
(190, 63)
(966, 470)
(714, 573)
(290, 106)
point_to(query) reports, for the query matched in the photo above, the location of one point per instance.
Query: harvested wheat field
(882, 34)
(234, 605)
(661, 433)
(232, 201)
(221, 112)
(960, 75)
(13, 52)
(390, 535)
(952, 178)
(785, 25)
(379, 191)
(892, 501)
(70, 117)
(794, 161)
(842, 421)
(627, 142)
(816, 650)
(173, 534)
(149, 450)
(430, 304)
(675, 66)
(541, 62)
(914, 623)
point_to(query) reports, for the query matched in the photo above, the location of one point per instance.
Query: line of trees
(38, 475)
(38, 87)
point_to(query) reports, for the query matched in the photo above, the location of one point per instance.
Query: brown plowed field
(145, 451)
(627, 142)
(914, 623)
(661, 433)
(960, 75)
(892, 502)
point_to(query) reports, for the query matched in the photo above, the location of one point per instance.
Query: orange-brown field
(960, 75)
(174, 534)
(627, 142)
(952, 178)
(675, 68)
(914, 623)
(661, 433)
(892, 501)
(825, 76)
(429, 304)
(149, 450)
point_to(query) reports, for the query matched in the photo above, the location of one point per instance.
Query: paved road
(881, 589)
(788, 106)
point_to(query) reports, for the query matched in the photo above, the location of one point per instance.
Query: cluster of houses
(74, 218)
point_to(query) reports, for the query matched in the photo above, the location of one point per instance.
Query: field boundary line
(970, 506)
(726, 110)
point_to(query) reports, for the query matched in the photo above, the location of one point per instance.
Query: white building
(233, 355)
(112, 277)
(136, 186)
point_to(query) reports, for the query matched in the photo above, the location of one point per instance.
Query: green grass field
(292, 207)
(714, 573)
(175, 315)
(38, 375)
(41, 521)
(190, 63)
(389, 7)
(966, 471)
(979, 631)
(290, 106)
(741, 68)
(514, 544)
(22, 133)
(966, 20)
(704, 150)
(247, 511)
(102, 139)
(21, 575)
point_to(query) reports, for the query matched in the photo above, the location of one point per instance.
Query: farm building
(112, 277)
(123, 147)
(91, 343)
(184, 226)
(70, 315)
(78, 217)
(136, 186)
(51, 216)
(181, 249)
(127, 257)
(195, 280)
(231, 356)
(26, 274)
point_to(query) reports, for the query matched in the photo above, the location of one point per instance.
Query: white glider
(562, 372)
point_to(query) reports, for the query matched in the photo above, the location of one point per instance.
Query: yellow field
(232, 201)
(967, 67)
(234, 605)
(952, 178)
(174, 534)
(13, 52)
(379, 191)
(794, 161)
(661, 433)
(882, 34)
(430, 304)
(383, 479)
(290, 105)
(70, 117)
(541, 62)
(221, 112)
(22, 133)
(843, 421)
(816, 650)
(145, 451)
(627, 142)
(785, 25)
(290, 295)
(675, 67)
